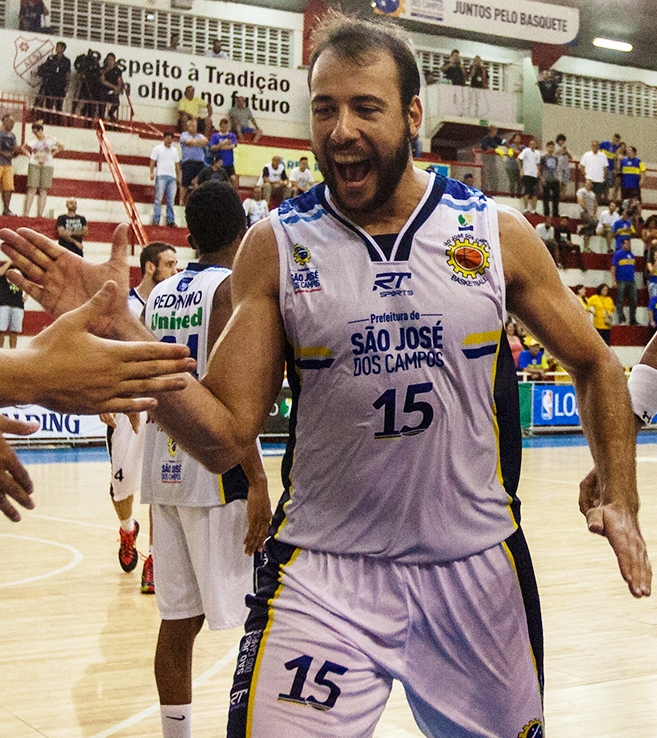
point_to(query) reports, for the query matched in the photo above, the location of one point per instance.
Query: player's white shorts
(199, 564)
(327, 634)
(11, 319)
(126, 450)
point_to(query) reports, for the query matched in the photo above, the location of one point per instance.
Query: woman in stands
(514, 147)
(602, 307)
(41, 149)
(111, 85)
(515, 342)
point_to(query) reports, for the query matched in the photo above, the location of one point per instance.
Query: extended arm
(550, 312)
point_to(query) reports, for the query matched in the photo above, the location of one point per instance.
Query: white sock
(127, 525)
(176, 721)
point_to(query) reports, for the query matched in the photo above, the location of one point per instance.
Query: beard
(389, 171)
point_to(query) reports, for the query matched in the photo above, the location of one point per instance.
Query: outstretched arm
(551, 312)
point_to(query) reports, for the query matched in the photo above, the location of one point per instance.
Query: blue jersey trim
(314, 363)
(440, 184)
(476, 353)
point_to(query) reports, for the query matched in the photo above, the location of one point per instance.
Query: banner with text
(554, 404)
(523, 19)
(56, 426)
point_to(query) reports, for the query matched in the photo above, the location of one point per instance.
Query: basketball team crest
(468, 257)
(172, 447)
(533, 729)
(301, 254)
(28, 57)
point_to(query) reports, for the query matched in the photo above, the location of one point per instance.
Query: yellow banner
(250, 160)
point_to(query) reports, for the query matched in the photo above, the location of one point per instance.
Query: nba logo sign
(547, 404)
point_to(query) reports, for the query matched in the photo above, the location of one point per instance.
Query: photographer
(111, 86)
(87, 67)
(55, 74)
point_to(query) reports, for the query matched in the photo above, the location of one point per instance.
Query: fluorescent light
(606, 43)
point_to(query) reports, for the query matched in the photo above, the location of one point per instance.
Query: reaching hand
(58, 279)
(258, 514)
(620, 527)
(69, 369)
(15, 482)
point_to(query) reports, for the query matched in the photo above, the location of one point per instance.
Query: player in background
(205, 527)
(125, 437)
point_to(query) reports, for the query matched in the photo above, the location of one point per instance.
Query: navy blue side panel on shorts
(108, 440)
(507, 405)
(236, 485)
(519, 550)
(275, 555)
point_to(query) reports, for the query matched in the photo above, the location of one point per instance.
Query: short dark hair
(303, 158)
(356, 40)
(167, 133)
(549, 143)
(151, 253)
(560, 137)
(215, 216)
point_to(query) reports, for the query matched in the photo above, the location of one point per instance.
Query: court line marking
(550, 481)
(73, 522)
(138, 717)
(77, 558)
(646, 458)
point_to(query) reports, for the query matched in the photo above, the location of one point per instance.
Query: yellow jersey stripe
(487, 337)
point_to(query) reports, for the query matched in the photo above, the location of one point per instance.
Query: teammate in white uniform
(125, 439)
(413, 436)
(202, 549)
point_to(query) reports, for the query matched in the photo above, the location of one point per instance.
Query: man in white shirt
(529, 159)
(588, 207)
(301, 178)
(274, 180)
(255, 207)
(606, 224)
(595, 168)
(545, 232)
(216, 52)
(165, 158)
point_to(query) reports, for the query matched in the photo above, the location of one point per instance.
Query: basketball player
(67, 369)
(397, 551)
(125, 439)
(199, 518)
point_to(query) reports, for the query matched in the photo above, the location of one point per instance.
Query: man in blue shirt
(609, 149)
(632, 172)
(530, 361)
(652, 312)
(222, 144)
(622, 229)
(622, 276)
(192, 146)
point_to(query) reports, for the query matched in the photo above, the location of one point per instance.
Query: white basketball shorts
(126, 450)
(11, 319)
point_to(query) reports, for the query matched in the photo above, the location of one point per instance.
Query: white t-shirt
(595, 166)
(607, 219)
(530, 161)
(165, 158)
(42, 151)
(589, 200)
(255, 210)
(273, 175)
(304, 180)
(545, 234)
(220, 55)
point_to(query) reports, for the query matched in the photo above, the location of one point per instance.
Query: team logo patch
(173, 446)
(467, 256)
(465, 222)
(184, 283)
(301, 254)
(533, 729)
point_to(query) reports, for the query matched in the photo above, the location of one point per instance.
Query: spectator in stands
(545, 232)
(301, 178)
(649, 234)
(242, 120)
(478, 74)
(580, 291)
(30, 15)
(529, 159)
(620, 155)
(165, 158)
(511, 166)
(632, 173)
(547, 171)
(515, 343)
(255, 207)
(622, 229)
(214, 171)
(274, 180)
(608, 218)
(453, 69)
(652, 312)
(111, 86)
(548, 85)
(632, 210)
(651, 269)
(55, 74)
(588, 208)
(190, 107)
(222, 147)
(12, 308)
(622, 278)
(192, 148)
(41, 149)
(468, 179)
(174, 43)
(490, 143)
(531, 362)
(72, 228)
(609, 149)
(563, 170)
(595, 167)
(602, 308)
(9, 150)
(216, 51)
(563, 237)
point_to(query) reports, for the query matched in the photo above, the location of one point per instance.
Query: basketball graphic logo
(468, 257)
(533, 729)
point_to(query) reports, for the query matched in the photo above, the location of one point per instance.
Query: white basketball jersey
(178, 311)
(395, 432)
(136, 303)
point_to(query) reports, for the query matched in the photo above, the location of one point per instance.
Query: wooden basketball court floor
(77, 637)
